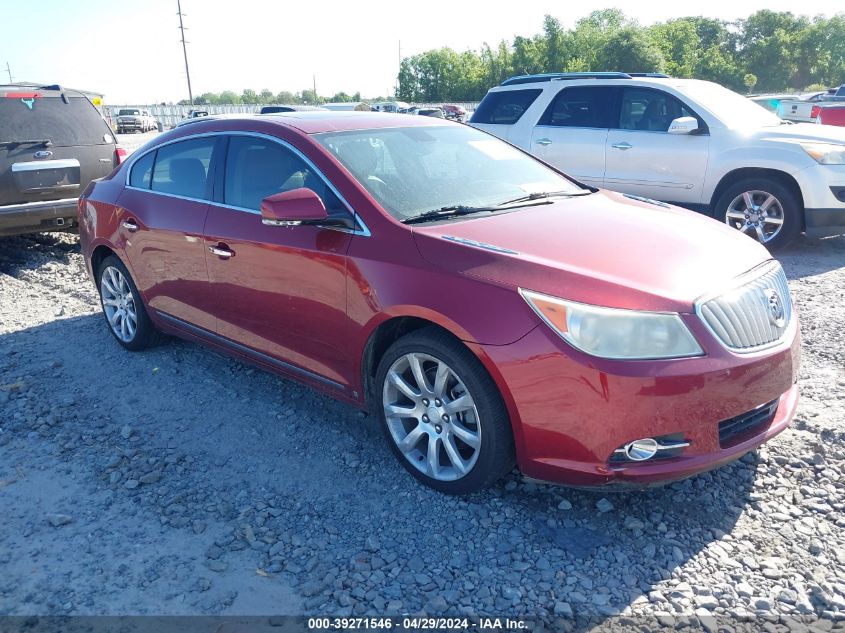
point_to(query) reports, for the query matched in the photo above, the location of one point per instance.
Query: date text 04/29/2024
(414, 624)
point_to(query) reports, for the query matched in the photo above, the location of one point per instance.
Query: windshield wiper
(40, 141)
(543, 195)
(446, 212)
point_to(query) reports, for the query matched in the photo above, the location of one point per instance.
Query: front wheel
(442, 414)
(763, 209)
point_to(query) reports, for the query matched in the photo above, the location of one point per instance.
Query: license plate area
(46, 175)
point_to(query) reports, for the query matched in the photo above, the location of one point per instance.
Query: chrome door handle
(544, 141)
(129, 225)
(225, 253)
(623, 146)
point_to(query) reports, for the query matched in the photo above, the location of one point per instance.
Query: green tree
(229, 97)
(249, 96)
(680, 46)
(285, 96)
(770, 46)
(749, 81)
(630, 49)
(266, 96)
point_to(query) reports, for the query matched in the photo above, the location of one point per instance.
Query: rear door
(163, 211)
(645, 160)
(572, 133)
(51, 146)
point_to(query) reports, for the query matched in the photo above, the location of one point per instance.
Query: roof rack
(525, 79)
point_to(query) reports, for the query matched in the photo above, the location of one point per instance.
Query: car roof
(315, 122)
(555, 84)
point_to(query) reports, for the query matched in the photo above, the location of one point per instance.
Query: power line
(185, 50)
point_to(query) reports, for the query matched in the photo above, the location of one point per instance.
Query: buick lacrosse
(488, 309)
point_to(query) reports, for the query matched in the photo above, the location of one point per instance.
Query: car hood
(603, 249)
(803, 132)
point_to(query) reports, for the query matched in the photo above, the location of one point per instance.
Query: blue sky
(131, 50)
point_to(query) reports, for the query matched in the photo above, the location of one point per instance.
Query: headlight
(614, 333)
(825, 153)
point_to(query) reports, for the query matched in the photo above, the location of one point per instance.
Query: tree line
(768, 51)
(266, 96)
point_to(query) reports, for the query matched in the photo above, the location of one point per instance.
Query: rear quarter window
(142, 171)
(36, 116)
(505, 107)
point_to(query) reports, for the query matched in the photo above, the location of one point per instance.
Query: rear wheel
(763, 209)
(123, 309)
(442, 414)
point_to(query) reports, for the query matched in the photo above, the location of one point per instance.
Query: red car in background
(454, 112)
(830, 114)
(489, 310)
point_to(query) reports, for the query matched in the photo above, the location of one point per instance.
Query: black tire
(496, 455)
(145, 335)
(789, 202)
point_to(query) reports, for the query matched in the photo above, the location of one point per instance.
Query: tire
(783, 205)
(480, 419)
(113, 279)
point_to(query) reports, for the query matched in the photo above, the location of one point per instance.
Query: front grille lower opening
(746, 425)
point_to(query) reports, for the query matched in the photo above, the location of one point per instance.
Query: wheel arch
(98, 255)
(746, 173)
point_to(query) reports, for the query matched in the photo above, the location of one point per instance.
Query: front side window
(505, 107)
(581, 107)
(649, 110)
(257, 168)
(416, 169)
(182, 168)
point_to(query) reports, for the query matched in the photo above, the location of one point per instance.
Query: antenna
(185, 50)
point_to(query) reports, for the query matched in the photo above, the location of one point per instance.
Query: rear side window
(142, 171)
(587, 106)
(182, 168)
(257, 168)
(505, 107)
(28, 116)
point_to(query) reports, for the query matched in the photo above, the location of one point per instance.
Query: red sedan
(488, 309)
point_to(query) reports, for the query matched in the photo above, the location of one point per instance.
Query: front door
(645, 160)
(279, 291)
(163, 210)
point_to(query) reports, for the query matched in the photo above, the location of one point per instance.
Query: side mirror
(683, 125)
(293, 207)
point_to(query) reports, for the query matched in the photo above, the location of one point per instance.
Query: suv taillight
(816, 111)
(119, 155)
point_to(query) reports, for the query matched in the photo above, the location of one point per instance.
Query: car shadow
(33, 250)
(587, 555)
(808, 256)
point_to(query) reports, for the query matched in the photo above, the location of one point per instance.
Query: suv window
(505, 107)
(581, 106)
(128, 112)
(650, 110)
(257, 168)
(182, 168)
(39, 116)
(142, 171)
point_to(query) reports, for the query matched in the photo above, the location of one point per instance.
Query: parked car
(276, 109)
(53, 142)
(486, 308)
(135, 120)
(801, 111)
(434, 112)
(830, 114)
(454, 112)
(682, 141)
(389, 106)
(772, 101)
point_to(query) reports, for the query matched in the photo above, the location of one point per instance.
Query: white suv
(683, 141)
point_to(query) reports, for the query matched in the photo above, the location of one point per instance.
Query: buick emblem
(43, 154)
(777, 315)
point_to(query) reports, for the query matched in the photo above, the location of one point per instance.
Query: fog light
(646, 448)
(640, 450)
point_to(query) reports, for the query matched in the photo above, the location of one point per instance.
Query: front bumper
(570, 412)
(34, 217)
(824, 210)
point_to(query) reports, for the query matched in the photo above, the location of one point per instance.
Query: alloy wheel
(756, 213)
(118, 304)
(431, 416)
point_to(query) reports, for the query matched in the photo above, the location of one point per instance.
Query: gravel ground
(178, 481)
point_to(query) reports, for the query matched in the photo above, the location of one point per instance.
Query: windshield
(128, 112)
(734, 110)
(416, 169)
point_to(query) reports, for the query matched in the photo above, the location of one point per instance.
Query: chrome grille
(743, 318)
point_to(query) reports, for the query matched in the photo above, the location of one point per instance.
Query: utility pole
(396, 92)
(314, 79)
(9, 70)
(185, 51)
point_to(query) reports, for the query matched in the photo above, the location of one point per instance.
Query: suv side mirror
(290, 208)
(684, 125)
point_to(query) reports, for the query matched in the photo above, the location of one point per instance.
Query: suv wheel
(125, 315)
(762, 208)
(442, 414)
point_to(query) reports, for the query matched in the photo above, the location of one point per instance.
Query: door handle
(221, 250)
(130, 225)
(544, 141)
(623, 146)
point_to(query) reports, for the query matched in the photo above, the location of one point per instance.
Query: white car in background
(682, 141)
